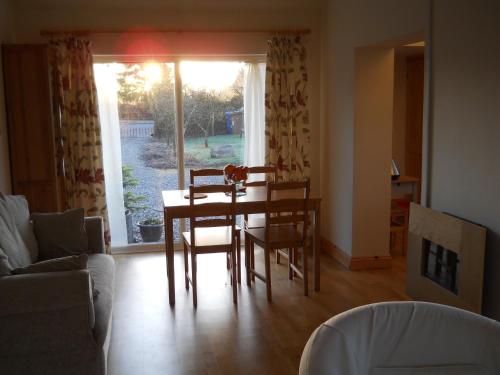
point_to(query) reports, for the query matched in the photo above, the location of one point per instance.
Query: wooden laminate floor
(254, 337)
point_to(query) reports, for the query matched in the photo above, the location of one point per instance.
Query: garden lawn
(195, 146)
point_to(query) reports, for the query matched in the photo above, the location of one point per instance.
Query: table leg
(169, 248)
(317, 248)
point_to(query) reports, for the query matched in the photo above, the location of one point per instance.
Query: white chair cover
(404, 338)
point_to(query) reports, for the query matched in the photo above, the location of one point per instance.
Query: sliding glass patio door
(161, 119)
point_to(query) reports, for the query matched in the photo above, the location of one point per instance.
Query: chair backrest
(271, 174)
(287, 203)
(214, 214)
(404, 338)
(207, 172)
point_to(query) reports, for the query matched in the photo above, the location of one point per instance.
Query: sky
(210, 75)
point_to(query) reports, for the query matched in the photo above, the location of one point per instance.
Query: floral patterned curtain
(287, 113)
(78, 130)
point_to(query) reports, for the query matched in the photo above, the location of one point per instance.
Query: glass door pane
(212, 95)
(213, 115)
(146, 103)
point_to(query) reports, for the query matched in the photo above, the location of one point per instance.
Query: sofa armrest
(46, 291)
(45, 312)
(95, 233)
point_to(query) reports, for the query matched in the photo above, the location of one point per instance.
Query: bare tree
(204, 110)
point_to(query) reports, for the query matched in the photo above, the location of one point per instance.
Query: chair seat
(277, 234)
(212, 236)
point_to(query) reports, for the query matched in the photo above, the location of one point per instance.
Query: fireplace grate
(441, 265)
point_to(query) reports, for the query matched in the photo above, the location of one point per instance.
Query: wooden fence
(136, 128)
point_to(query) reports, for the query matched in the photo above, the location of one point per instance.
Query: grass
(195, 146)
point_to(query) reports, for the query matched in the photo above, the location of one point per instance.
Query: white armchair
(404, 338)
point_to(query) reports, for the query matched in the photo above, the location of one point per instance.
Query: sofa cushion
(102, 269)
(71, 263)
(18, 207)
(60, 234)
(5, 266)
(11, 241)
(74, 262)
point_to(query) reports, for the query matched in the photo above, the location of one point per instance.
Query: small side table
(406, 185)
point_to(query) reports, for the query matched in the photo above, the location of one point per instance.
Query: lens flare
(152, 74)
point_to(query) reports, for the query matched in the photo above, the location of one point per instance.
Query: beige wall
(373, 112)
(5, 37)
(350, 25)
(233, 15)
(465, 179)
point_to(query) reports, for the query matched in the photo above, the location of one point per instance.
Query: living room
(156, 326)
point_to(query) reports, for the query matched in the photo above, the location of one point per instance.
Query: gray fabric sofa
(50, 323)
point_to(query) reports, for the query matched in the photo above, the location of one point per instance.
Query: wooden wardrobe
(30, 125)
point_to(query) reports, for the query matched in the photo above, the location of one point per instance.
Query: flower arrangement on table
(236, 175)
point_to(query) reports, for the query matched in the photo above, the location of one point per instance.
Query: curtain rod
(177, 31)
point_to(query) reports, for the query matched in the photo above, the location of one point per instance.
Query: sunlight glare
(212, 75)
(152, 74)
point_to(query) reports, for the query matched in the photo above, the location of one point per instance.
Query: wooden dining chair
(267, 170)
(271, 174)
(258, 220)
(209, 172)
(286, 228)
(213, 230)
(206, 172)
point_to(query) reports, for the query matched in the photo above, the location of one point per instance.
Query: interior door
(414, 115)
(30, 126)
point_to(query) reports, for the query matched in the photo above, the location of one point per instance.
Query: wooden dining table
(176, 206)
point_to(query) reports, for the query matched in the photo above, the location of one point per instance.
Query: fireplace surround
(445, 259)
